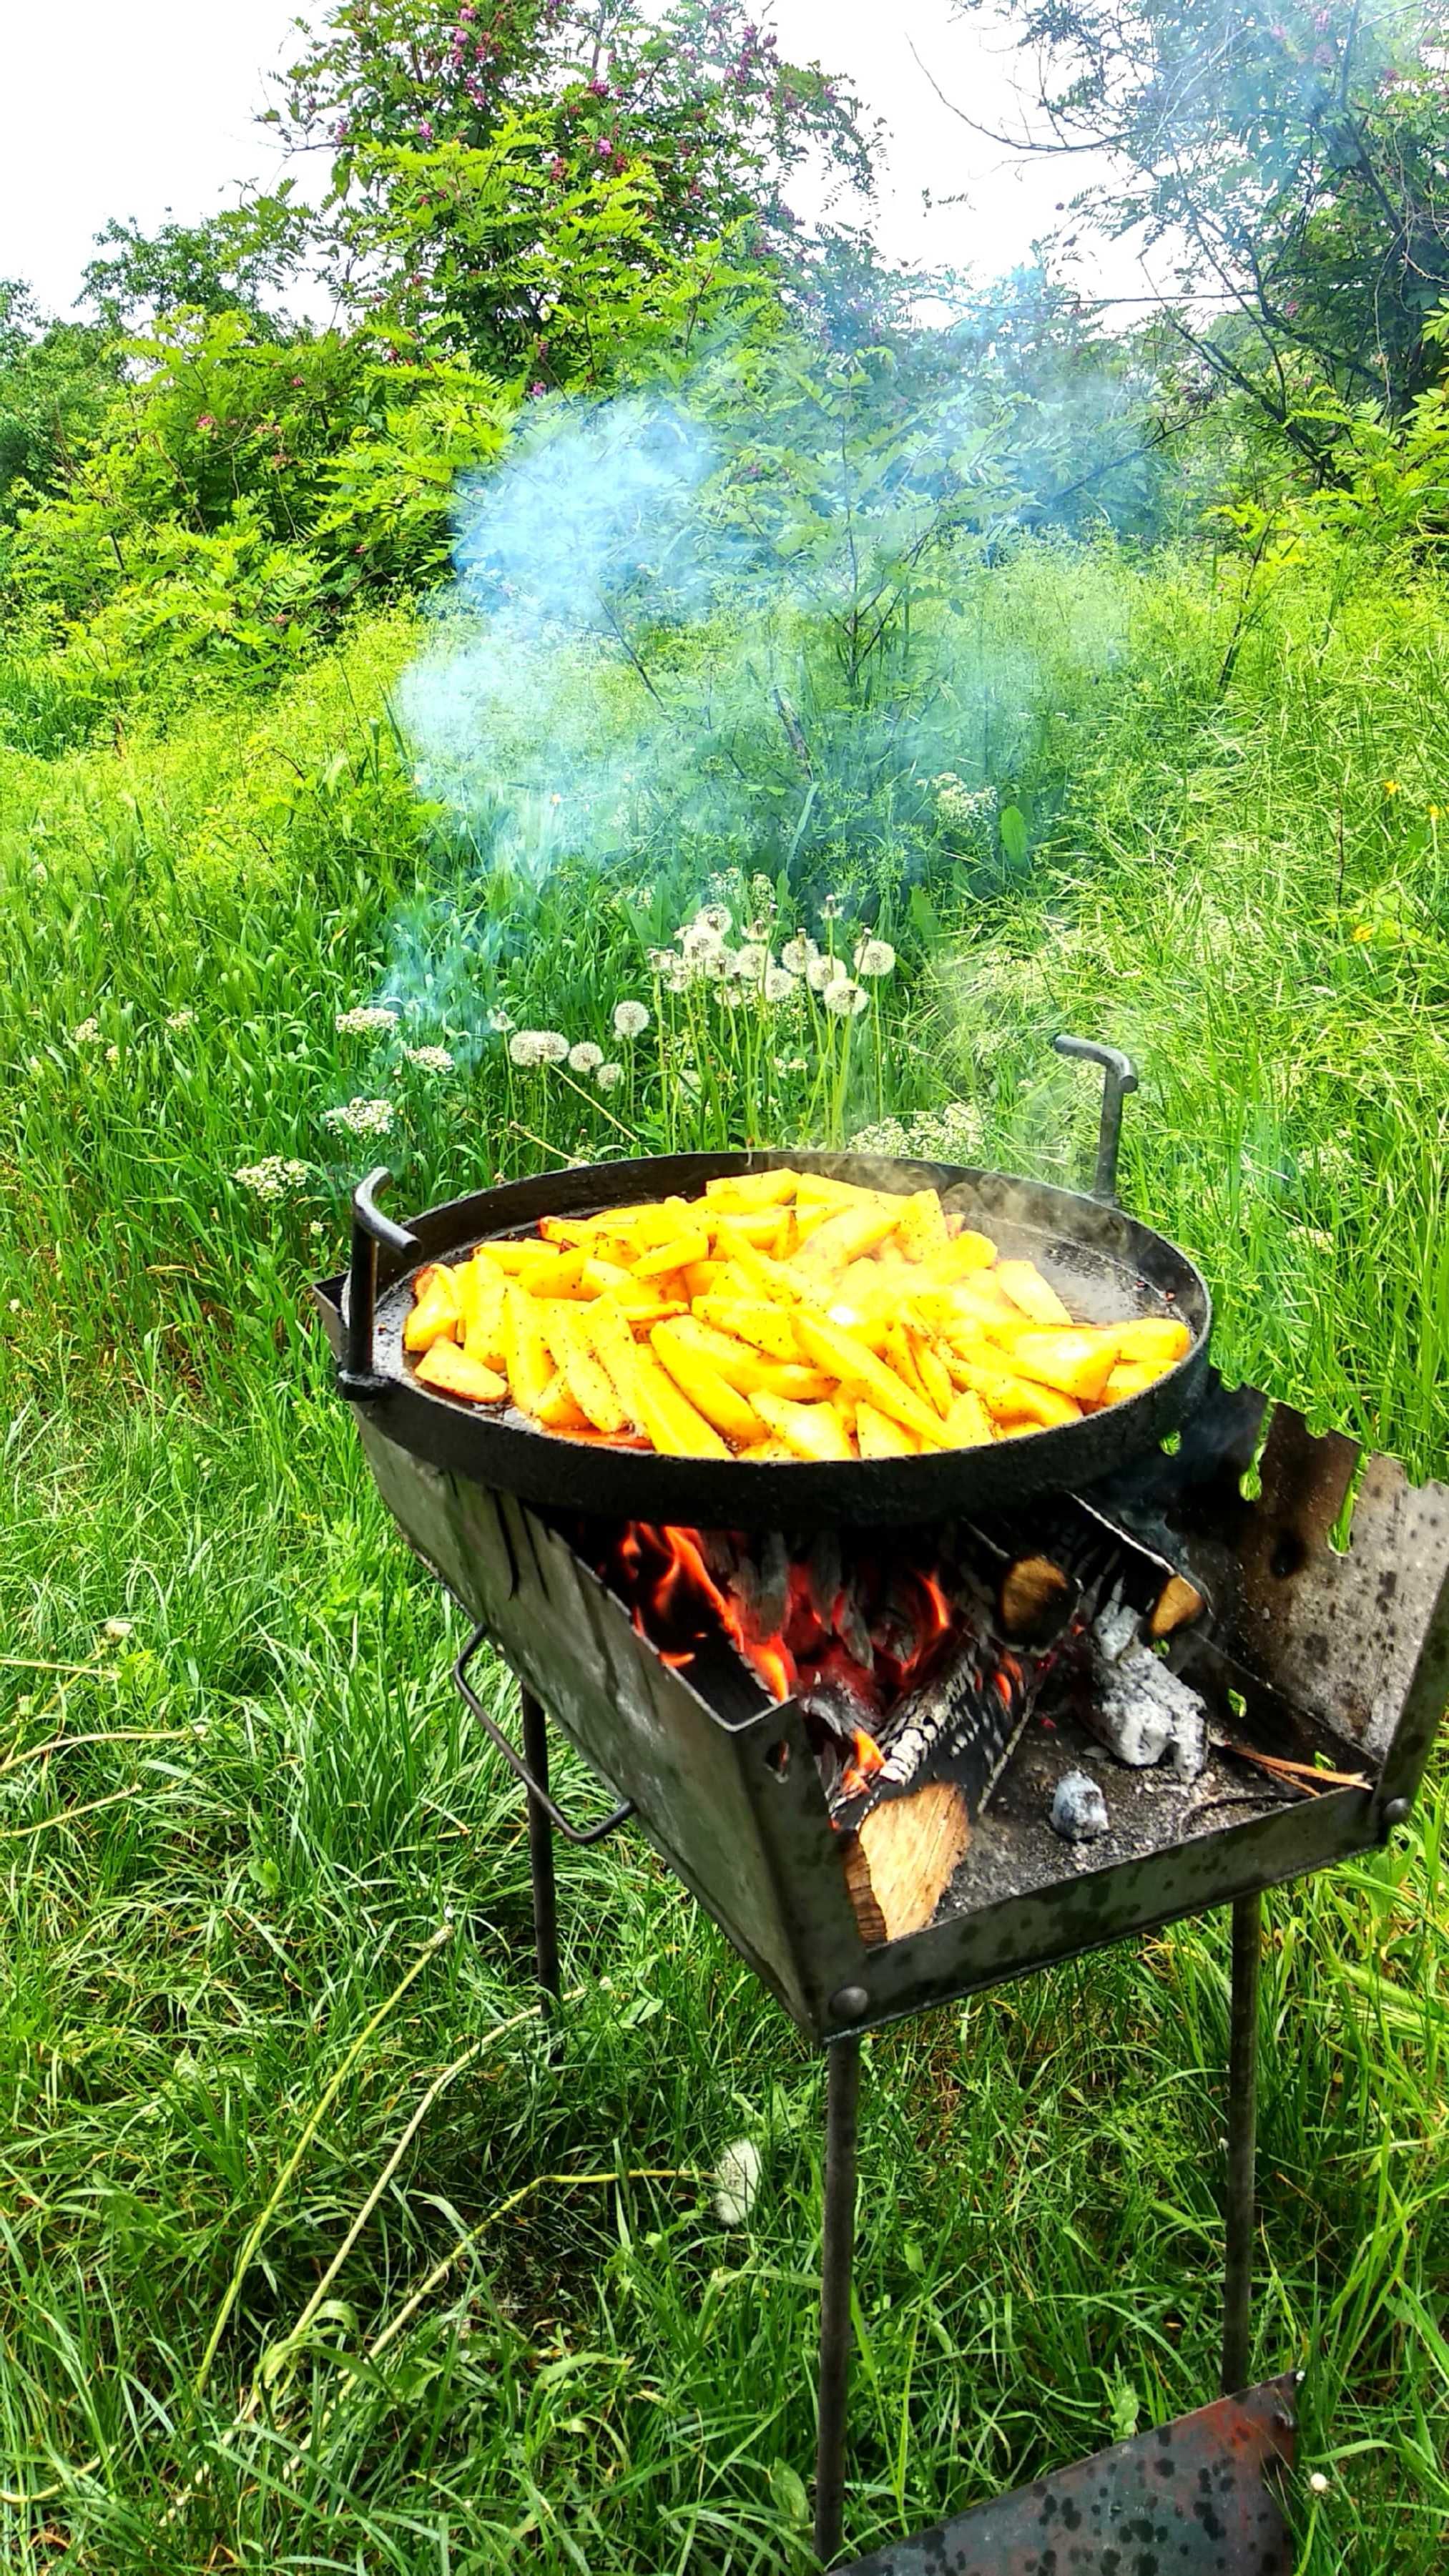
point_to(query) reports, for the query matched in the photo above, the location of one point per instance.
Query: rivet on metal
(849, 2003)
(1395, 1813)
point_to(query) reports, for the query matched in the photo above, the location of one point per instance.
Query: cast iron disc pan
(1103, 1264)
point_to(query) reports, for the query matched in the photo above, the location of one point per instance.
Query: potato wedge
(921, 1227)
(768, 1327)
(1018, 1399)
(480, 1286)
(434, 1314)
(1026, 1288)
(529, 1368)
(1158, 1338)
(556, 1408)
(809, 1430)
(968, 1422)
(675, 1426)
(709, 1393)
(859, 1370)
(751, 1371)
(845, 1237)
(451, 1372)
(542, 1268)
(588, 1381)
(878, 1437)
(753, 1189)
(1132, 1377)
(1077, 1361)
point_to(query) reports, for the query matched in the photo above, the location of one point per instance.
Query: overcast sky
(145, 107)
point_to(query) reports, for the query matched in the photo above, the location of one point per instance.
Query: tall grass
(238, 1803)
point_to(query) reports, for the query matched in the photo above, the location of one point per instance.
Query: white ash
(1140, 1710)
(1078, 1809)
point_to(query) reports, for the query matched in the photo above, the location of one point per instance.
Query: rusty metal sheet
(1193, 2498)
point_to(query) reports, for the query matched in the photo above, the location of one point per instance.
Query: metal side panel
(1197, 2497)
(736, 1810)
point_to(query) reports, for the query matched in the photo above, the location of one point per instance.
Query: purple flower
(204, 420)
(598, 89)
(537, 387)
(425, 130)
(603, 147)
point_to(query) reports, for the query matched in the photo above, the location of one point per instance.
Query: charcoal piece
(1078, 1810)
(760, 1584)
(1141, 1711)
(824, 1576)
(852, 1628)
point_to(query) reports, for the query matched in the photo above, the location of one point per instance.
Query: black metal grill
(1324, 1640)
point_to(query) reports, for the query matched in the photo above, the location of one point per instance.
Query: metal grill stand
(842, 2124)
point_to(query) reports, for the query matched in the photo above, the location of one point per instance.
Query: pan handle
(1119, 1076)
(515, 1760)
(356, 1376)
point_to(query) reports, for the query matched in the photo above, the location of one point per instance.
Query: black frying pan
(1103, 1264)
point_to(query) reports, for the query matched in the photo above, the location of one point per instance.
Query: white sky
(144, 107)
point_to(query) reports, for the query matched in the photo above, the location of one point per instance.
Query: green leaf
(1011, 824)
(788, 2489)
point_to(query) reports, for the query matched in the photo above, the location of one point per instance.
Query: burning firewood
(901, 1859)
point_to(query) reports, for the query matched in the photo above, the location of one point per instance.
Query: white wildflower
(552, 1047)
(778, 985)
(751, 961)
(822, 972)
(316, 1229)
(698, 942)
(1318, 2482)
(713, 916)
(798, 953)
(832, 908)
(586, 1057)
(15, 1305)
(735, 996)
(274, 1176)
(875, 957)
(630, 1020)
(118, 1630)
(500, 1023)
(662, 961)
(609, 1076)
(524, 1050)
(88, 1034)
(113, 1055)
(430, 1059)
(362, 1118)
(369, 1020)
(737, 2182)
(844, 998)
(887, 1137)
(180, 1019)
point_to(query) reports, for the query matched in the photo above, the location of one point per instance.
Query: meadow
(317, 2254)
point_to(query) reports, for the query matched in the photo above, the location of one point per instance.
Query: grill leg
(540, 1849)
(842, 2096)
(1242, 2137)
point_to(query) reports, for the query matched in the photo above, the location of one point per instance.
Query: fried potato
(588, 1381)
(1158, 1338)
(452, 1372)
(1026, 1288)
(785, 1314)
(434, 1315)
(879, 1437)
(709, 1393)
(529, 1368)
(840, 1354)
(1077, 1361)
(808, 1430)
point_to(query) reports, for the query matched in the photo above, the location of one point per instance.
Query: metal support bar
(540, 1847)
(1242, 2137)
(837, 2248)
(1119, 1076)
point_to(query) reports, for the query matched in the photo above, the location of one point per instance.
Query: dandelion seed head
(630, 1020)
(845, 998)
(779, 985)
(586, 1057)
(797, 954)
(737, 2182)
(875, 957)
(822, 972)
(713, 916)
(117, 1630)
(751, 961)
(609, 1076)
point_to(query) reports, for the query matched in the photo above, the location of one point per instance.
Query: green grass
(207, 2051)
